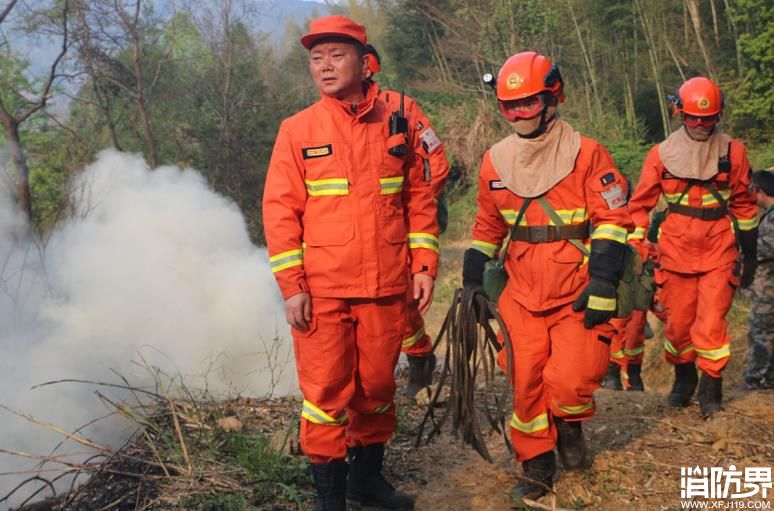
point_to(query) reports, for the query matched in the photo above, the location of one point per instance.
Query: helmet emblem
(514, 81)
(703, 103)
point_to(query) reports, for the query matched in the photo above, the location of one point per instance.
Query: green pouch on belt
(495, 276)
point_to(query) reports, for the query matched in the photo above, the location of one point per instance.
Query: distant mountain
(279, 12)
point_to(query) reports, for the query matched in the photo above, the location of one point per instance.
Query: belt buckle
(540, 234)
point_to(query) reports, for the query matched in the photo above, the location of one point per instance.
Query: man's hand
(423, 291)
(298, 311)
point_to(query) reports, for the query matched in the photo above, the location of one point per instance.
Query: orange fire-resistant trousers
(628, 344)
(346, 362)
(416, 342)
(557, 366)
(696, 306)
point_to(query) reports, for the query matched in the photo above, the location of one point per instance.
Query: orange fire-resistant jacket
(542, 276)
(687, 244)
(344, 218)
(427, 144)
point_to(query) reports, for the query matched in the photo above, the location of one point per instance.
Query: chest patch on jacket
(317, 152)
(614, 196)
(496, 185)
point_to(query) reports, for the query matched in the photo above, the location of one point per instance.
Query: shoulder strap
(554, 216)
(519, 216)
(723, 204)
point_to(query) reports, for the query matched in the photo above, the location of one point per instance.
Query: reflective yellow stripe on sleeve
(539, 423)
(638, 234)
(716, 354)
(333, 186)
(485, 247)
(410, 341)
(571, 216)
(634, 352)
(391, 184)
(617, 354)
(285, 260)
(424, 240)
(317, 416)
(609, 232)
(747, 224)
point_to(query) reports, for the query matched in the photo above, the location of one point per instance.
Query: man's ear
(364, 67)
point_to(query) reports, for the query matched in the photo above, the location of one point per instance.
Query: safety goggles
(694, 121)
(525, 108)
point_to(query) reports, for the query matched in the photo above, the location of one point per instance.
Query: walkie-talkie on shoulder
(398, 126)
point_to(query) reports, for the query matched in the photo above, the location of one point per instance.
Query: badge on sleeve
(614, 196)
(496, 185)
(430, 141)
(607, 179)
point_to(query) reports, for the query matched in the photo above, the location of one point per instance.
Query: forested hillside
(196, 84)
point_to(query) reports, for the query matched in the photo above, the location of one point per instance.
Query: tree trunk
(23, 195)
(693, 10)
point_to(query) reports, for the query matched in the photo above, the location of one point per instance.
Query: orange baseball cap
(334, 26)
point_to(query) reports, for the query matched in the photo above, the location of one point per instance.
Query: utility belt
(548, 233)
(700, 213)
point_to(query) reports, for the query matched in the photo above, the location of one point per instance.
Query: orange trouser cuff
(416, 342)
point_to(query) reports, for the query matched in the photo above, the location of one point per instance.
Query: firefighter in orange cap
(416, 342)
(704, 175)
(544, 186)
(348, 215)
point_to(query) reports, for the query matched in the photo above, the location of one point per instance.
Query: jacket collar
(357, 111)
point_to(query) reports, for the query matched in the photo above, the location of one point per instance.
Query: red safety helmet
(699, 97)
(524, 82)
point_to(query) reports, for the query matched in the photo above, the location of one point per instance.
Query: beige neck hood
(529, 167)
(689, 159)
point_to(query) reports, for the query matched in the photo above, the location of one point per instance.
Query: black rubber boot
(541, 468)
(365, 484)
(420, 374)
(635, 377)
(330, 481)
(612, 379)
(571, 444)
(686, 380)
(710, 394)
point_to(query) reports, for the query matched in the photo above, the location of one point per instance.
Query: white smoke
(158, 267)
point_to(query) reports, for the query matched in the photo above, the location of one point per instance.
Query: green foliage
(754, 103)
(274, 473)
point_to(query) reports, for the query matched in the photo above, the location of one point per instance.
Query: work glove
(473, 268)
(748, 241)
(655, 225)
(598, 299)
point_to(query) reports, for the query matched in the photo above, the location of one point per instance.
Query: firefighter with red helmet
(704, 176)
(545, 186)
(416, 342)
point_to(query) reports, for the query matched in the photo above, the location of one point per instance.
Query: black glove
(473, 268)
(655, 225)
(605, 267)
(748, 241)
(599, 301)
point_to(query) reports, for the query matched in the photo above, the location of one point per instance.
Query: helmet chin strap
(543, 121)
